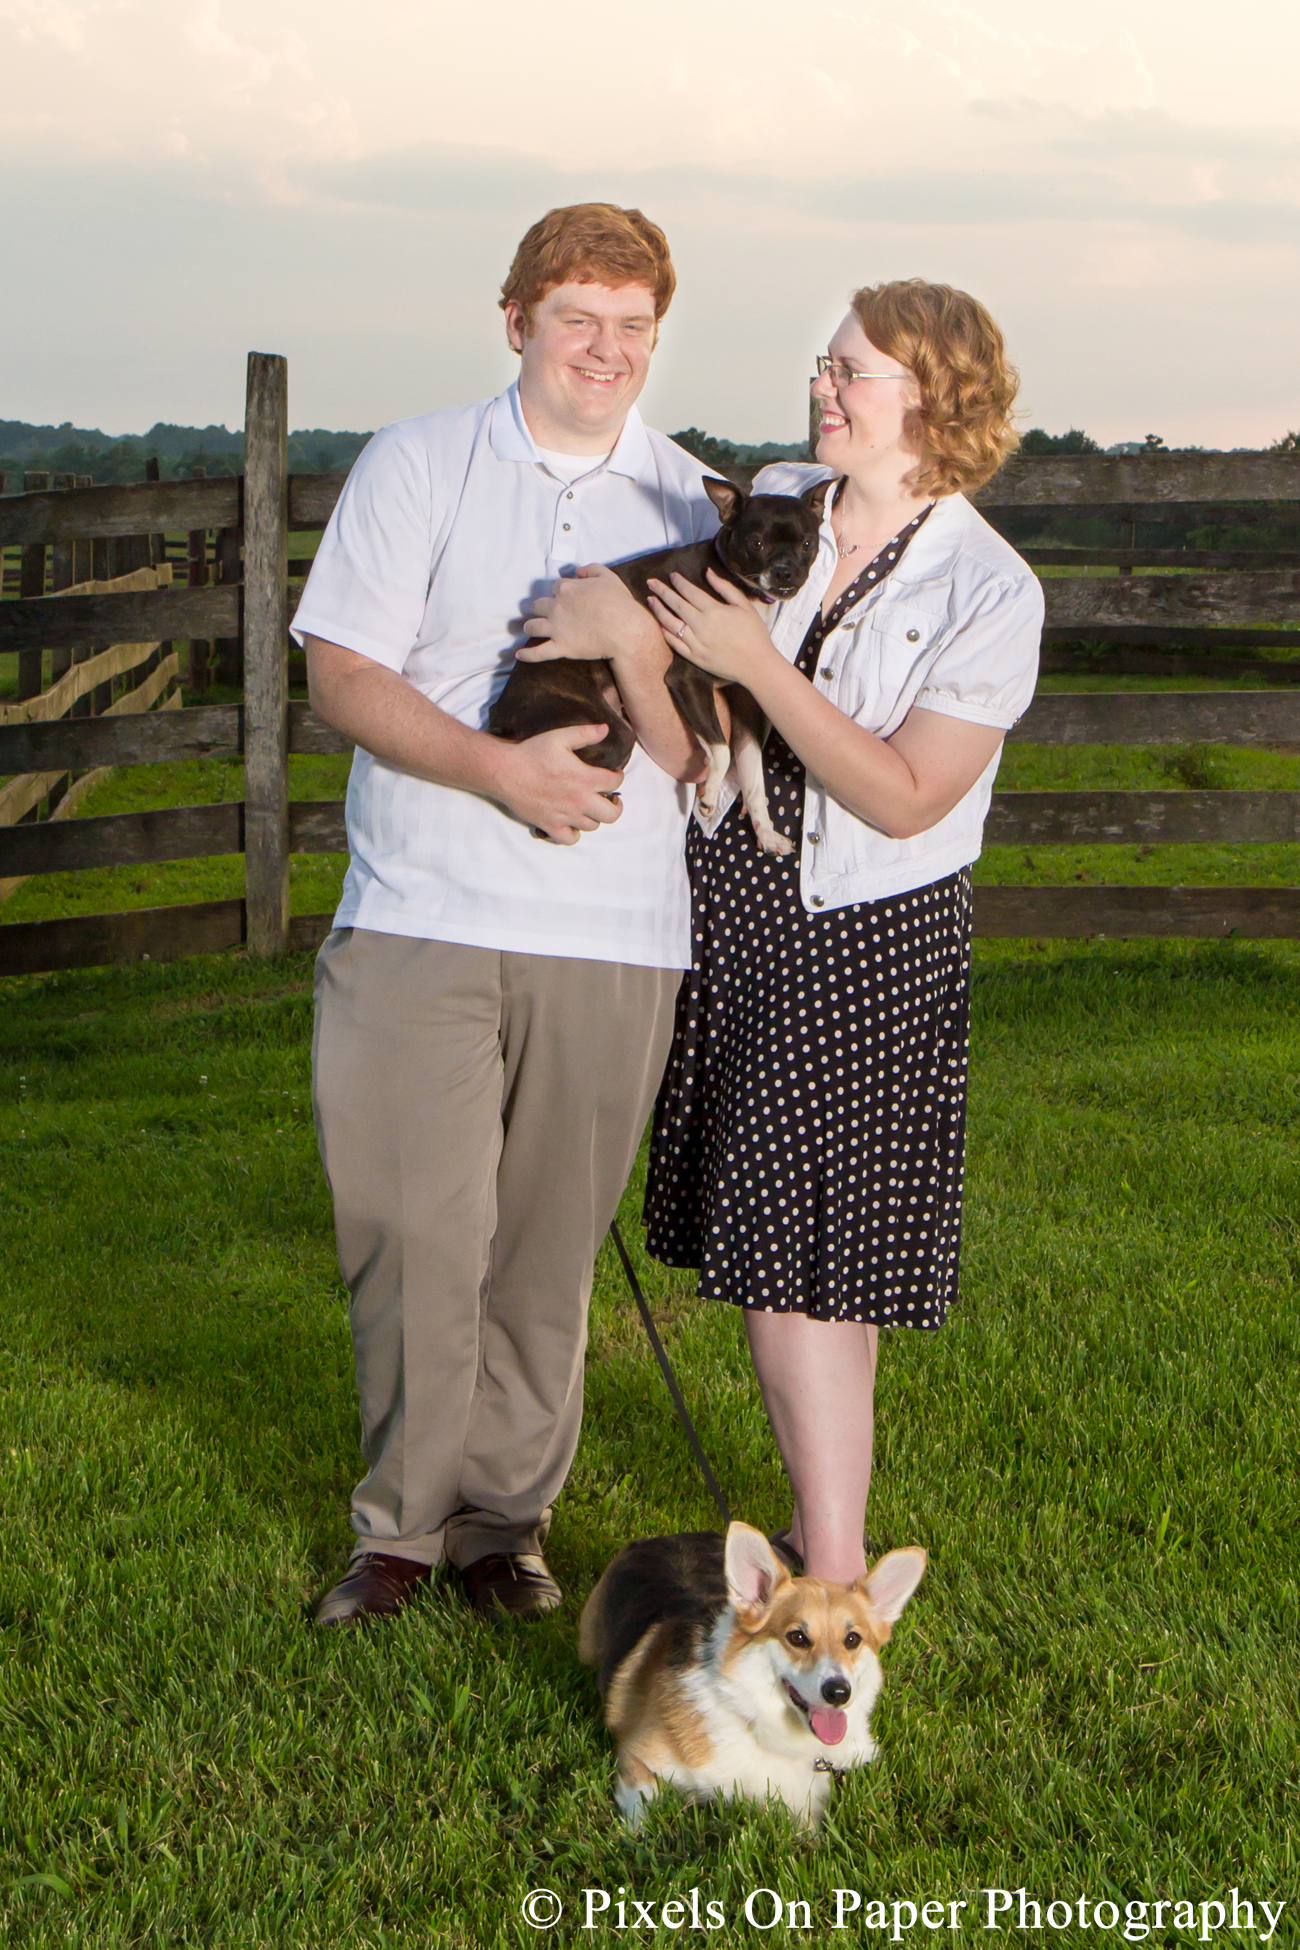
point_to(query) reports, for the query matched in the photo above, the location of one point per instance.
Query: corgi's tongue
(829, 1724)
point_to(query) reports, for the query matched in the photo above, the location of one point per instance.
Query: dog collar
(750, 589)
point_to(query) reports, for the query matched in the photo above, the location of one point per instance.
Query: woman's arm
(901, 785)
(595, 615)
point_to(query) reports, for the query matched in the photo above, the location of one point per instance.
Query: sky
(182, 181)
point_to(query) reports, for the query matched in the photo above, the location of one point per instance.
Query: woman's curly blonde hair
(962, 428)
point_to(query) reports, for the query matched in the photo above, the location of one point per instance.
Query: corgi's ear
(815, 496)
(888, 1585)
(754, 1571)
(726, 498)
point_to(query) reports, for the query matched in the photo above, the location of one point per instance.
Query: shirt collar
(511, 440)
(934, 546)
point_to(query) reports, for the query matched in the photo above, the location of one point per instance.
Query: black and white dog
(766, 546)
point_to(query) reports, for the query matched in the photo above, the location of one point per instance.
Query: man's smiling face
(584, 360)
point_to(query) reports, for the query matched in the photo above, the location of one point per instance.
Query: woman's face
(863, 421)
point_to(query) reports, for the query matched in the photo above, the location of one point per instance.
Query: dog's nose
(836, 1691)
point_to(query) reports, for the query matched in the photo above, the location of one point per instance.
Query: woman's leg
(818, 1379)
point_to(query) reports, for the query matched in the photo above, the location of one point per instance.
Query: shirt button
(814, 839)
(817, 901)
(914, 636)
(567, 526)
(569, 495)
(828, 673)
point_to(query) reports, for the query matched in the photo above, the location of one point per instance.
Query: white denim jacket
(954, 628)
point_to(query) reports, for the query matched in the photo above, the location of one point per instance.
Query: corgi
(724, 1675)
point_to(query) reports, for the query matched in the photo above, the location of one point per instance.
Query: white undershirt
(571, 467)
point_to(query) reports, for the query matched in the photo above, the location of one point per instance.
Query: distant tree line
(729, 453)
(180, 451)
(215, 450)
(725, 454)
(1076, 441)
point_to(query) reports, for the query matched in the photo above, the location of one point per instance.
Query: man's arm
(595, 615)
(540, 781)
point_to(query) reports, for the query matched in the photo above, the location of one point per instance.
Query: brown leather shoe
(514, 1582)
(374, 1586)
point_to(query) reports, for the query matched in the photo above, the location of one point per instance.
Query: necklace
(843, 549)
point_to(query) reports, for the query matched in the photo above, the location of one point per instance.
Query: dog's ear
(815, 496)
(726, 498)
(754, 1571)
(887, 1586)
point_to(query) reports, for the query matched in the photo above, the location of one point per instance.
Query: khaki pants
(478, 1115)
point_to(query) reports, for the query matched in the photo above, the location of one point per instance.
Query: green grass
(315, 879)
(1060, 768)
(1094, 1691)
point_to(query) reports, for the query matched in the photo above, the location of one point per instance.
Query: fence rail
(96, 513)
(1146, 484)
(235, 600)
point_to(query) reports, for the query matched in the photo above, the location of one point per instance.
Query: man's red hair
(590, 243)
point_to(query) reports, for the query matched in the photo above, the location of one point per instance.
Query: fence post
(62, 576)
(31, 582)
(266, 654)
(228, 567)
(196, 576)
(83, 565)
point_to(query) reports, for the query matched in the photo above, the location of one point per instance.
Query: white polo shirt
(447, 526)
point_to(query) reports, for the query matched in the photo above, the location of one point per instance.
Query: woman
(808, 1141)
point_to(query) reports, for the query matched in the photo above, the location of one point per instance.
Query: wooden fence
(1138, 619)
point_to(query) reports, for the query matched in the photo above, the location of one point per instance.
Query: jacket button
(814, 839)
(914, 636)
(817, 901)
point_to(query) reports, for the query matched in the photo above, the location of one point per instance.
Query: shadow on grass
(170, 1230)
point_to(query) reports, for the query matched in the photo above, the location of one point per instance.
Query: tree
(1076, 441)
(707, 448)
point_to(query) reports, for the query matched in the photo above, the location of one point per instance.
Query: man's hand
(539, 780)
(544, 783)
(592, 614)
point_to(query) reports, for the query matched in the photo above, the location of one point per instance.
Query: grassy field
(1093, 1694)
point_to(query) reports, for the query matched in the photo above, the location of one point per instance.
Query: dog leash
(666, 1368)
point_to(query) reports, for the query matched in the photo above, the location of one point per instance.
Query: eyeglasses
(842, 375)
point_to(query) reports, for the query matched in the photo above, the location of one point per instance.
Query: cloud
(53, 20)
(187, 178)
(1139, 169)
(127, 80)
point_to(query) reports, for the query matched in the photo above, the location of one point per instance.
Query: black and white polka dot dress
(809, 1135)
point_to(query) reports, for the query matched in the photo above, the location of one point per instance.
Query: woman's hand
(727, 637)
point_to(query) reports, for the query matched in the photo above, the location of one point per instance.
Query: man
(493, 1012)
